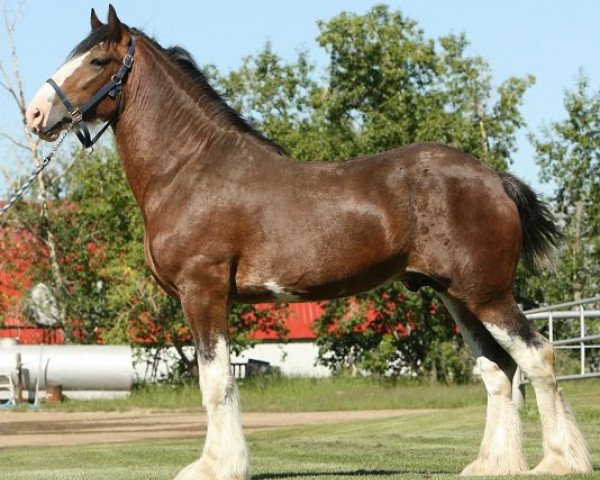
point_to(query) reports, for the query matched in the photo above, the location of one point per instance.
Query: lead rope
(34, 174)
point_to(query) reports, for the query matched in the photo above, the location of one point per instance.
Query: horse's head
(97, 60)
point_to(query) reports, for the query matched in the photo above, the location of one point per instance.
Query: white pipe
(75, 367)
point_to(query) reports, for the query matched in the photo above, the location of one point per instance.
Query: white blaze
(47, 101)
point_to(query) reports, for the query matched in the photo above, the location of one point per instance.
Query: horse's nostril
(35, 118)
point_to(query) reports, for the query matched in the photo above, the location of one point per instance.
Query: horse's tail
(540, 235)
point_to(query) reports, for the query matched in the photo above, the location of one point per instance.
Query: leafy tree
(568, 153)
(19, 250)
(36, 218)
(386, 85)
(389, 333)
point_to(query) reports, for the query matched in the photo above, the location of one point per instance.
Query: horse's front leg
(225, 456)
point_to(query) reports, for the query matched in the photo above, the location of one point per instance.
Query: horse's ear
(114, 25)
(94, 20)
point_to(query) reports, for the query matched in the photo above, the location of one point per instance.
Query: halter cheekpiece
(113, 88)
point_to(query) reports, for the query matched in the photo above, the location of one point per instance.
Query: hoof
(493, 467)
(558, 465)
(205, 470)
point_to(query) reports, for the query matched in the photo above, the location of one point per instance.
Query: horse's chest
(185, 253)
(161, 279)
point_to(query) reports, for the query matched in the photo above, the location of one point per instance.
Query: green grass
(301, 394)
(430, 445)
(297, 394)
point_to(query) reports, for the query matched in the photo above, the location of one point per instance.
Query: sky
(550, 39)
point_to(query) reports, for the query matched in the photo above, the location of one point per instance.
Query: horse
(230, 218)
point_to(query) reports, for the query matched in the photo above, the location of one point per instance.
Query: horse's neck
(164, 127)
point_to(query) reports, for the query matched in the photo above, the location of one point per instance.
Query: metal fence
(579, 311)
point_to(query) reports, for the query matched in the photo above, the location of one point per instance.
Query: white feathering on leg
(565, 449)
(225, 456)
(501, 451)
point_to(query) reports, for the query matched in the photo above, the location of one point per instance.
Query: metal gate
(580, 311)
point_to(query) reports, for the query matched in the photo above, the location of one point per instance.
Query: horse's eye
(98, 62)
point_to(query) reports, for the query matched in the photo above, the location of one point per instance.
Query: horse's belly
(309, 282)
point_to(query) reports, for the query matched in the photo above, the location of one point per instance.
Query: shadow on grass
(351, 473)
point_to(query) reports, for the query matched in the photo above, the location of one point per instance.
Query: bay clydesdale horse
(228, 217)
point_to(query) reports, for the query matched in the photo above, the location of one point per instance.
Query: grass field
(429, 445)
(298, 394)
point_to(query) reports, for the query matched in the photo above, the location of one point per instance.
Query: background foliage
(386, 84)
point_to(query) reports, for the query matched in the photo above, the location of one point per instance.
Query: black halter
(113, 89)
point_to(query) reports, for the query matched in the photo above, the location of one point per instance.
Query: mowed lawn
(427, 445)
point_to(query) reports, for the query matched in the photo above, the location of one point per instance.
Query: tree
(568, 153)
(386, 85)
(36, 221)
(19, 252)
(390, 333)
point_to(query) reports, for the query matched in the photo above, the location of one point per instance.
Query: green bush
(388, 333)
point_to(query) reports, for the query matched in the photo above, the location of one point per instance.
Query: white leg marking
(501, 451)
(225, 456)
(565, 449)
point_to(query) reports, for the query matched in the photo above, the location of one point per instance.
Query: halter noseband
(113, 88)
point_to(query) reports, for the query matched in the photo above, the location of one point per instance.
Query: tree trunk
(485, 145)
(578, 253)
(17, 92)
(48, 236)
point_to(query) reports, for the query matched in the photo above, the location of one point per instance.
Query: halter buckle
(128, 60)
(76, 115)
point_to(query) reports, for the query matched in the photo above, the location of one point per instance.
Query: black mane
(184, 60)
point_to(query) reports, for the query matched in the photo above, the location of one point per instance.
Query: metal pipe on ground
(93, 369)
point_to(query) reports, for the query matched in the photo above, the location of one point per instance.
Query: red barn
(299, 318)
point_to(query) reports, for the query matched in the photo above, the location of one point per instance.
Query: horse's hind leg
(501, 451)
(565, 450)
